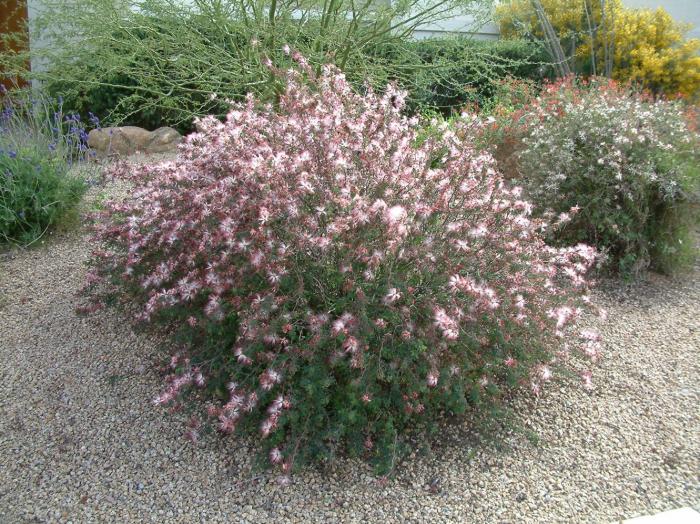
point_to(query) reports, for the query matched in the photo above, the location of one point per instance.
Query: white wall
(459, 25)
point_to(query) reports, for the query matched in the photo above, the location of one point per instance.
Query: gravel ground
(81, 442)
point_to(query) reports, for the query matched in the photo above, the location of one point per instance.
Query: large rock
(163, 139)
(127, 140)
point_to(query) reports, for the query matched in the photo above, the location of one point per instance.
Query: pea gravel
(81, 442)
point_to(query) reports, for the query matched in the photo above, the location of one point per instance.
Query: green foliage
(35, 192)
(154, 69)
(155, 62)
(675, 222)
(161, 64)
(450, 74)
(38, 147)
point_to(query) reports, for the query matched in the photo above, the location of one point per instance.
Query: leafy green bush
(137, 76)
(442, 75)
(448, 74)
(35, 192)
(38, 147)
(626, 162)
(152, 62)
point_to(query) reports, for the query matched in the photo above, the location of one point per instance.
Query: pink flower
(545, 373)
(445, 323)
(587, 379)
(276, 456)
(432, 379)
(392, 296)
(226, 425)
(395, 214)
(564, 218)
(590, 335)
(479, 232)
(351, 345)
(269, 378)
(163, 399)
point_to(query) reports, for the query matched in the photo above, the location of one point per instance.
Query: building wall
(460, 25)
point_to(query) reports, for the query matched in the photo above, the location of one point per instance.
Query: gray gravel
(81, 442)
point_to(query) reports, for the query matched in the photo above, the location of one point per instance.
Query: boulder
(127, 140)
(163, 139)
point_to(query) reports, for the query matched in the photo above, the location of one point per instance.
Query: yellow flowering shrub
(651, 48)
(648, 47)
(568, 17)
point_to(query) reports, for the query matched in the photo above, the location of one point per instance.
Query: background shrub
(333, 282)
(629, 162)
(441, 75)
(38, 146)
(448, 74)
(150, 62)
(647, 47)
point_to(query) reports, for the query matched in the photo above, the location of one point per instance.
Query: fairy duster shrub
(336, 282)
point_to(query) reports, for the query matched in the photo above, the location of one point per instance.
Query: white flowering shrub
(627, 163)
(334, 281)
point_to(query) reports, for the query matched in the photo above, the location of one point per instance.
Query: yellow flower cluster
(646, 47)
(650, 48)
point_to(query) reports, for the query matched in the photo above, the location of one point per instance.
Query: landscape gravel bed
(80, 440)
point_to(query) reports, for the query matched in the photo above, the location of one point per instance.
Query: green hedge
(158, 68)
(446, 74)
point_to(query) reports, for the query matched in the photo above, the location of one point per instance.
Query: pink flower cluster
(324, 223)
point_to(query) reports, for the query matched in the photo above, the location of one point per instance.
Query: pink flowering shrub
(338, 283)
